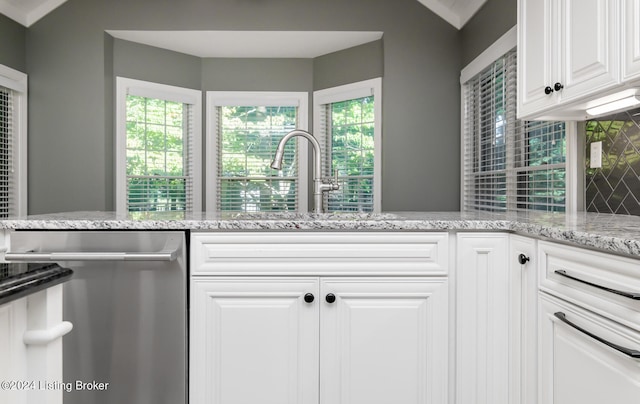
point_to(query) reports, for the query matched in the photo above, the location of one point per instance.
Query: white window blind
(247, 140)
(159, 155)
(7, 140)
(348, 126)
(540, 165)
(508, 164)
(245, 129)
(158, 147)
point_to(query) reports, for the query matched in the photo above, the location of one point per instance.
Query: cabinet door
(483, 322)
(631, 40)
(576, 368)
(523, 315)
(589, 47)
(384, 340)
(537, 65)
(254, 340)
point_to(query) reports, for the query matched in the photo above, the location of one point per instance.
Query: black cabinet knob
(523, 259)
(308, 297)
(330, 298)
(548, 90)
(558, 86)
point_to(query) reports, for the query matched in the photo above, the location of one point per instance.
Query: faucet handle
(334, 181)
(330, 184)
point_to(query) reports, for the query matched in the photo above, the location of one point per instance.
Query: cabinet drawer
(319, 253)
(585, 358)
(604, 283)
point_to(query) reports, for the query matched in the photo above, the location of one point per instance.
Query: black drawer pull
(629, 352)
(634, 296)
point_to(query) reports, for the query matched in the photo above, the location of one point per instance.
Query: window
(13, 142)
(157, 147)
(508, 164)
(244, 129)
(348, 126)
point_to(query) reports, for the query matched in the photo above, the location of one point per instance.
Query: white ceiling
(455, 12)
(26, 12)
(250, 44)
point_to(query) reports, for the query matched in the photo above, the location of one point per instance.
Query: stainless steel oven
(127, 301)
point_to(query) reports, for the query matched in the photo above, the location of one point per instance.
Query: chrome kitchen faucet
(320, 185)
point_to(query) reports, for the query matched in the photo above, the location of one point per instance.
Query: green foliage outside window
(155, 152)
(248, 139)
(352, 154)
(545, 157)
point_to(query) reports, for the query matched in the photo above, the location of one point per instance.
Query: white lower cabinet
(523, 309)
(384, 340)
(589, 326)
(30, 349)
(577, 365)
(13, 353)
(483, 321)
(305, 338)
(284, 318)
(254, 340)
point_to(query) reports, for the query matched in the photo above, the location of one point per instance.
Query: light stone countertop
(618, 234)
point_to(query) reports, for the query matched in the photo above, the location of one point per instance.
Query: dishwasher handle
(91, 256)
(167, 252)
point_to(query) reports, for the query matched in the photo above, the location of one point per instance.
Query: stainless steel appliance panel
(127, 301)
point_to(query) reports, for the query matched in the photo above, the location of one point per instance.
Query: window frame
(127, 86)
(18, 83)
(500, 47)
(347, 92)
(215, 99)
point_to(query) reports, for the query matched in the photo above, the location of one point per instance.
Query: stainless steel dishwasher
(127, 301)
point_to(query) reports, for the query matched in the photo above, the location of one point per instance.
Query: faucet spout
(318, 185)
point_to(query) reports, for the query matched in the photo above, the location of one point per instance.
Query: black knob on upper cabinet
(558, 86)
(523, 259)
(330, 298)
(548, 90)
(308, 297)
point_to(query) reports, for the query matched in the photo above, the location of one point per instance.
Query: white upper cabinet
(631, 40)
(535, 60)
(568, 52)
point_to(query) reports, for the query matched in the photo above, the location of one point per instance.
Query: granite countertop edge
(32, 281)
(618, 234)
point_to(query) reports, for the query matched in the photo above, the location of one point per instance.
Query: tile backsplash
(615, 187)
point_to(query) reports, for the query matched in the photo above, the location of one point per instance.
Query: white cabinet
(483, 319)
(254, 340)
(523, 291)
(13, 324)
(294, 336)
(577, 368)
(31, 347)
(631, 40)
(589, 326)
(568, 50)
(384, 340)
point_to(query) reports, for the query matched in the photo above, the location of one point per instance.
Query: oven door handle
(91, 256)
(627, 351)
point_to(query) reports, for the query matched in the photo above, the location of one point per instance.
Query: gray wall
(349, 66)
(12, 44)
(492, 21)
(70, 60)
